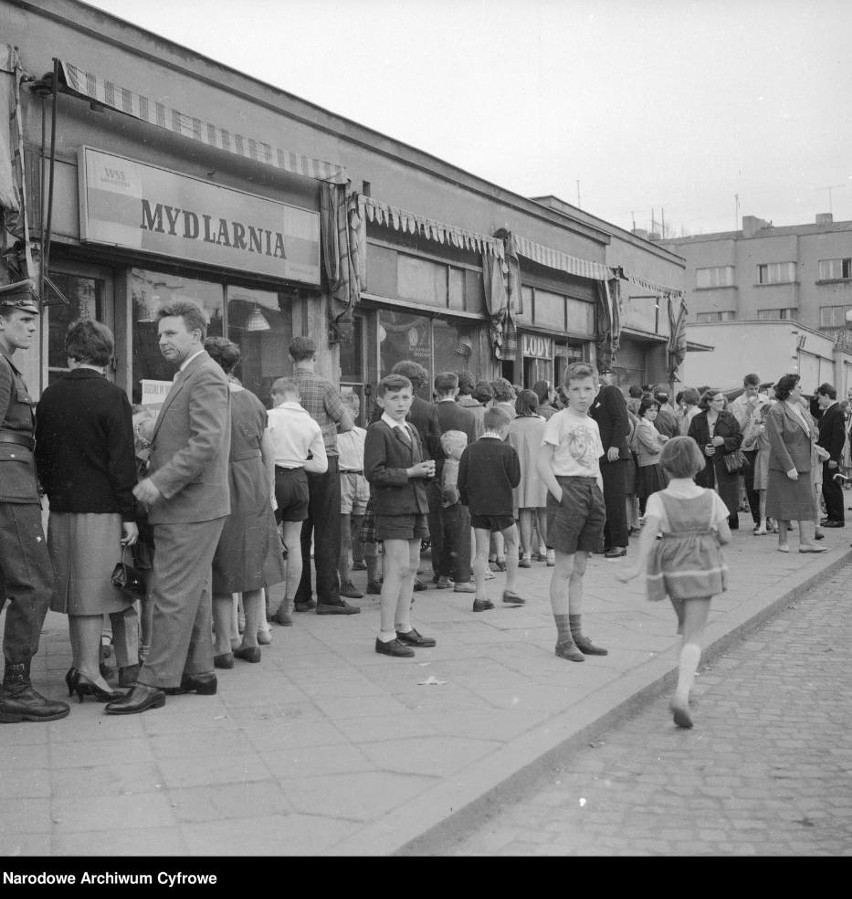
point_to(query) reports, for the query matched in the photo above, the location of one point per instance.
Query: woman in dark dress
(85, 458)
(248, 557)
(718, 434)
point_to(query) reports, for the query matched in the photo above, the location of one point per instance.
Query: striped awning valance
(93, 87)
(410, 222)
(652, 286)
(582, 268)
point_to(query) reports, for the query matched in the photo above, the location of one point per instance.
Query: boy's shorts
(402, 527)
(291, 493)
(577, 523)
(354, 493)
(492, 523)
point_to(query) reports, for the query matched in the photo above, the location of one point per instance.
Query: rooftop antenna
(578, 193)
(736, 212)
(830, 188)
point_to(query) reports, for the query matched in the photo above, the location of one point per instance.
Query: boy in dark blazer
(832, 437)
(488, 472)
(397, 468)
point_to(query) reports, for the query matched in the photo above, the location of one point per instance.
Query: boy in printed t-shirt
(568, 464)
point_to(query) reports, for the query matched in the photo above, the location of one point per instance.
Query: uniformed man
(26, 572)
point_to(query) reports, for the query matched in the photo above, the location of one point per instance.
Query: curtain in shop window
(608, 321)
(344, 249)
(677, 333)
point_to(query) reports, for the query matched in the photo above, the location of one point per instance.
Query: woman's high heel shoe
(71, 679)
(84, 687)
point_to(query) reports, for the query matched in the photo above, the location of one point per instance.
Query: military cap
(20, 295)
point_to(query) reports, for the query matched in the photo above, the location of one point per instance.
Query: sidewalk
(327, 748)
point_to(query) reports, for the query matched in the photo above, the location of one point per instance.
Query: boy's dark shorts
(291, 493)
(492, 523)
(577, 523)
(402, 527)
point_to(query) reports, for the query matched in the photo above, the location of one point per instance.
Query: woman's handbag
(735, 461)
(127, 579)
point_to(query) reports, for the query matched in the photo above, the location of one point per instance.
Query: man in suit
(454, 533)
(609, 410)
(745, 408)
(832, 436)
(187, 496)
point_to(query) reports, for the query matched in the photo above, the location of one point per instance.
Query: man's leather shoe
(304, 605)
(828, 523)
(393, 648)
(615, 552)
(334, 608)
(202, 684)
(412, 638)
(139, 699)
(347, 588)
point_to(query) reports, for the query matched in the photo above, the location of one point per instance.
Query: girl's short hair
(526, 403)
(785, 386)
(89, 342)
(682, 458)
(648, 402)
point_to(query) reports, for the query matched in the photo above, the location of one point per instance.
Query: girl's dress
(687, 562)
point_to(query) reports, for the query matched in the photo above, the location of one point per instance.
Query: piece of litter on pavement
(431, 681)
(424, 664)
(582, 802)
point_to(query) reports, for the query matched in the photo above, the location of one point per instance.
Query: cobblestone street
(765, 771)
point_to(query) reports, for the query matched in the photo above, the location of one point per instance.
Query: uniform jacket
(190, 446)
(18, 483)
(386, 458)
(609, 410)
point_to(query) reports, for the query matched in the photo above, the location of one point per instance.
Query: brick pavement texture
(766, 770)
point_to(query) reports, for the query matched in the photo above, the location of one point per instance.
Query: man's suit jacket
(190, 445)
(386, 458)
(832, 434)
(789, 444)
(609, 410)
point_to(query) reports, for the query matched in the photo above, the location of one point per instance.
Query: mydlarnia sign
(129, 204)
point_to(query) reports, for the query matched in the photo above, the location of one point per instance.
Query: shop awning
(411, 222)
(582, 268)
(94, 87)
(650, 285)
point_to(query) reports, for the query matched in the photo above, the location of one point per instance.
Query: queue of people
(217, 500)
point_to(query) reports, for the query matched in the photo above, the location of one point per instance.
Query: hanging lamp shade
(257, 321)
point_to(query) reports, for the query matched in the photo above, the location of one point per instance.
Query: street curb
(622, 699)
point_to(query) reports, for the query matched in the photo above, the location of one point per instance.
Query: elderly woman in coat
(718, 434)
(789, 495)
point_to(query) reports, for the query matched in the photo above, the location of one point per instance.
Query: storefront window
(405, 336)
(457, 348)
(86, 301)
(262, 327)
(150, 291)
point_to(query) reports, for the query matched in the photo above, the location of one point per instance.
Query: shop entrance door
(89, 291)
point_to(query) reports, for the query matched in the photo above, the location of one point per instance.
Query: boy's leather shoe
(615, 552)
(412, 638)
(335, 608)
(482, 605)
(393, 648)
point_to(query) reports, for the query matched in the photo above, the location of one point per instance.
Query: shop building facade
(146, 173)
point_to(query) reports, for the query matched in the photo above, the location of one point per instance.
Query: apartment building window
(835, 269)
(716, 316)
(833, 316)
(774, 315)
(717, 276)
(776, 273)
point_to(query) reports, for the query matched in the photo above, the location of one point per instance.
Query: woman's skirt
(630, 478)
(788, 500)
(85, 548)
(649, 479)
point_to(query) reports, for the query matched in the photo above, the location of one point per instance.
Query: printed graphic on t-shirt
(577, 444)
(583, 443)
